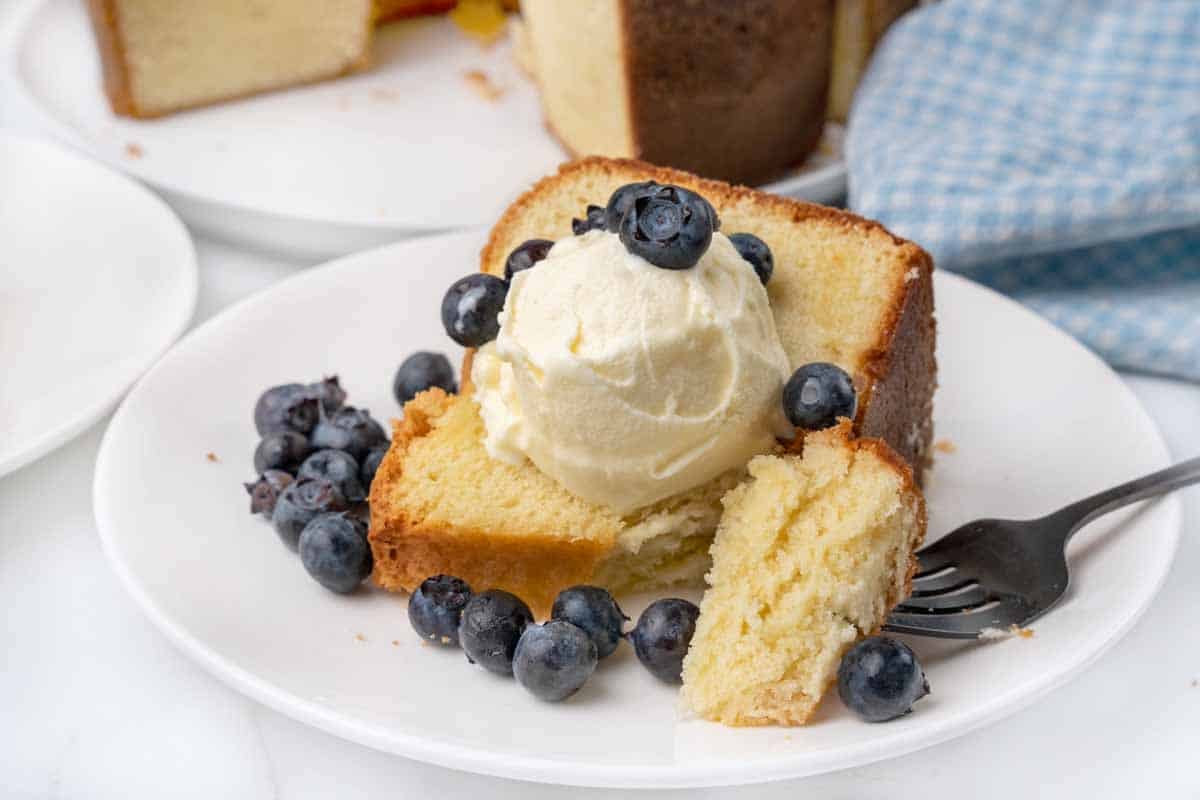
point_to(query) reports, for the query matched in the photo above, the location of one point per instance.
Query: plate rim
(61, 130)
(64, 432)
(566, 772)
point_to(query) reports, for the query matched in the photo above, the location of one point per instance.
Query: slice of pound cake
(811, 554)
(160, 56)
(844, 290)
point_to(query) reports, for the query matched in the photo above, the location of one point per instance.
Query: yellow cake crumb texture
(810, 556)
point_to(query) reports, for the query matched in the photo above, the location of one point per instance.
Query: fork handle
(1076, 515)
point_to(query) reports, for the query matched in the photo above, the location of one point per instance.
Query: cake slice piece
(844, 290)
(811, 554)
(159, 57)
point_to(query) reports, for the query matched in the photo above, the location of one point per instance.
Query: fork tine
(967, 594)
(999, 612)
(937, 580)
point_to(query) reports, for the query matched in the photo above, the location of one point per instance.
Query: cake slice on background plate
(844, 290)
(159, 57)
(812, 553)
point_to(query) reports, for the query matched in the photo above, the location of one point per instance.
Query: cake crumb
(384, 94)
(482, 84)
(395, 642)
(134, 150)
(945, 446)
(212, 457)
(359, 637)
(995, 634)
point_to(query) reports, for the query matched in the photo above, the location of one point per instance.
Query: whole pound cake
(731, 90)
(811, 554)
(844, 290)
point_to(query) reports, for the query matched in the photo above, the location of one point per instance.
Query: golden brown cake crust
(107, 31)
(899, 376)
(745, 101)
(407, 550)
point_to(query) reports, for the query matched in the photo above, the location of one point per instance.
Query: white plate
(1036, 419)
(406, 147)
(97, 277)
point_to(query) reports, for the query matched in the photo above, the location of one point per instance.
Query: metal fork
(995, 573)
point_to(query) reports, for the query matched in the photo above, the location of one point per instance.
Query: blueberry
(266, 490)
(350, 429)
(435, 608)
(525, 255)
(595, 612)
(421, 371)
(554, 661)
(471, 309)
(334, 550)
(592, 221)
(755, 250)
(817, 395)
(339, 468)
(370, 465)
(329, 392)
(880, 679)
(662, 635)
(302, 501)
(282, 450)
(492, 623)
(668, 226)
(621, 201)
(289, 407)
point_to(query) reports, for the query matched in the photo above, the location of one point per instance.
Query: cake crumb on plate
(995, 634)
(212, 457)
(359, 637)
(945, 446)
(134, 150)
(483, 85)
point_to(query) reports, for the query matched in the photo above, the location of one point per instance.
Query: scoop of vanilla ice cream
(628, 383)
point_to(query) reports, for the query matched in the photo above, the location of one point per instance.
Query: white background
(96, 704)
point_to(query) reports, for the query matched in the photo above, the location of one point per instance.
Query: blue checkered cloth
(1049, 149)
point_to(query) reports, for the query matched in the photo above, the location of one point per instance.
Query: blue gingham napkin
(1050, 149)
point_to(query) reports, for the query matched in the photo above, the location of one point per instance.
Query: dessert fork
(992, 574)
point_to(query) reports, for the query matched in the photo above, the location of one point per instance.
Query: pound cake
(161, 56)
(844, 290)
(811, 554)
(734, 91)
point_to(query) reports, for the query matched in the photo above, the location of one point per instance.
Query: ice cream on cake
(628, 383)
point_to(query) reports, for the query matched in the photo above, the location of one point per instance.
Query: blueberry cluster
(316, 460)
(554, 660)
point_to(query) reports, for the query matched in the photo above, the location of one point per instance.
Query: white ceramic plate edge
(566, 773)
(67, 431)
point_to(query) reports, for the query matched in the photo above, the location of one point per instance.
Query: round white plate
(97, 277)
(406, 147)
(1035, 419)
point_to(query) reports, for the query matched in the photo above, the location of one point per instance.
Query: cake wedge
(844, 290)
(812, 553)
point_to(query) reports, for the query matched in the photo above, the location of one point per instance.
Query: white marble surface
(96, 704)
